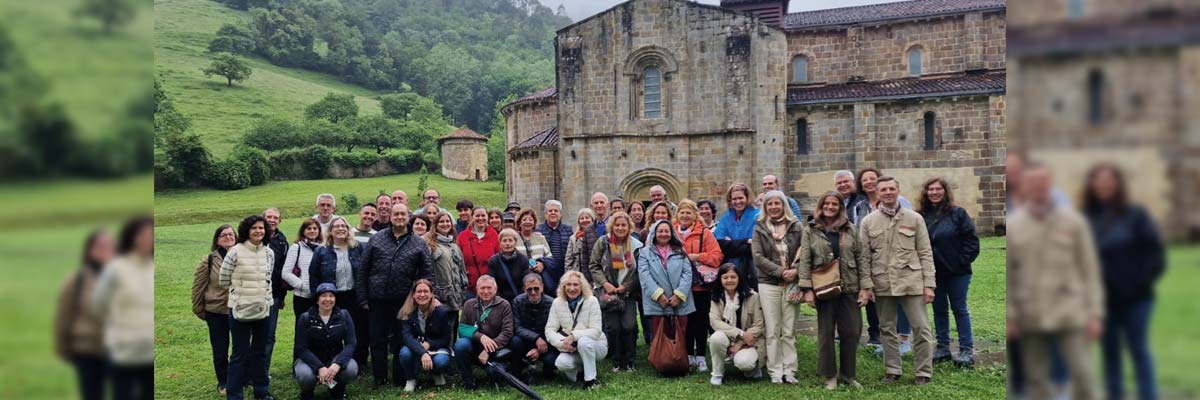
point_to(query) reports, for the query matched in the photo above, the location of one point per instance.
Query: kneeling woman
(427, 327)
(325, 346)
(574, 328)
(737, 319)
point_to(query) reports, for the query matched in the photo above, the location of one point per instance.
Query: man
(771, 182)
(431, 196)
(657, 194)
(1055, 296)
(464, 208)
(325, 206)
(508, 220)
(383, 202)
(399, 197)
(485, 328)
(558, 237)
(843, 182)
(392, 260)
(366, 218)
(513, 207)
(599, 206)
(278, 243)
(531, 310)
(902, 271)
(617, 204)
(1014, 164)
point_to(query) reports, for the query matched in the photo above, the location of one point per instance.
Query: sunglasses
(533, 290)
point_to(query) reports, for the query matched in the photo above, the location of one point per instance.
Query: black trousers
(385, 340)
(838, 314)
(133, 383)
(93, 373)
(362, 326)
(698, 330)
(621, 329)
(520, 346)
(300, 305)
(218, 340)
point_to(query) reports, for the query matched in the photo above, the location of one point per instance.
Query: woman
(735, 229)
(449, 274)
(508, 266)
(535, 247)
(830, 236)
(1132, 261)
(574, 328)
(708, 211)
(431, 211)
(614, 269)
(955, 246)
(775, 244)
(495, 219)
(666, 278)
(579, 253)
(428, 328)
(478, 244)
(868, 202)
(705, 255)
(78, 334)
(419, 224)
(298, 262)
(325, 343)
(124, 300)
(737, 319)
(211, 303)
(637, 213)
(337, 262)
(660, 211)
(246, 271)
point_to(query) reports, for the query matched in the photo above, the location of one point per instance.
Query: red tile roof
(886, 12)
(550, 93)
(544, 139)
(961, 84)
(464, 133)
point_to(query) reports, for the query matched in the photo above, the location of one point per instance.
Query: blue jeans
(412, 364)
(218, 339)
(1129, 323)
(271, 326)
(951, 295)
(248, 362)
(466, 354)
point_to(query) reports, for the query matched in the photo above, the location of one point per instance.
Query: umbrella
(497, 370)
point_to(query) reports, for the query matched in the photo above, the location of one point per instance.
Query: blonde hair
(613, 218)
(585, 289)
(351, 242)
(653, 207)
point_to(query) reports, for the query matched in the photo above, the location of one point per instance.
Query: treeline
(464, 54)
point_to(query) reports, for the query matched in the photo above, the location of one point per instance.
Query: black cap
(508, 216)
(512, 205)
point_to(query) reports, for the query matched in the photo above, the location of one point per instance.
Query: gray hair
(553, 203)
(601, 194)
(532, 277)
(276, 210)
(844, 172)
(658, 188)
(326, 196)
(770, 194)
(485, 278)
(587, 211)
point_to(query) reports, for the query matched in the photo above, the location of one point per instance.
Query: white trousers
(585, 356)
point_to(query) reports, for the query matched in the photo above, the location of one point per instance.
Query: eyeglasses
(533, 290)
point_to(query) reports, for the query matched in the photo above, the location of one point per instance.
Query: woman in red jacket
(478, 244)
(705, 253)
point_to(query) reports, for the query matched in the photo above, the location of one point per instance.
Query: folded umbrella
(498, 371)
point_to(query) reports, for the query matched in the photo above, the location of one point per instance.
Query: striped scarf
(618, 263)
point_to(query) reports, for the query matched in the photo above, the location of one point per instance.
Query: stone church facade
(696, 97)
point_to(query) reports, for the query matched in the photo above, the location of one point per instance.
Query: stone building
(695, 97)
(1113, 81)
(464, 155)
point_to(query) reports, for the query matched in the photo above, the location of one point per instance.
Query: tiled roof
(737, 2)
(896, 89)
(464, 133)
(886, 12)
(550, 93)
(1102, 35)
(544, 139)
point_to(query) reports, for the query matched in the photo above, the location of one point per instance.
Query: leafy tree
(412, 107)
(275, 133)
(188, 158)
(379, 132)
(111, 13)
(232, 39)
(167, 120)
(285, 36)
(333, 135)
(230, 67)
(423, 181)
(333, 108)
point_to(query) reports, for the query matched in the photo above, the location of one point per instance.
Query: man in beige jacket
(901, 268)
(1054, 289)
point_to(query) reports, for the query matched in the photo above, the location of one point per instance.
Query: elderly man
(484, 328)
(399, 197)
(843, 182)
(771, 182)
(366, 219)
(599, 205)
(383, 205)
(658, 194)
(558, 237)
(902, 271)
(325, 206)
(1055, 296)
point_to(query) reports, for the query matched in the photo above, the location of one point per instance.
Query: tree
(167, 120)
(379, 132)
(333, 135)
(412, 107)
(111, 13)
(230, 67)
(188, 158)
(423, 181)
(232, 39)
(333, 107)
(275, 133)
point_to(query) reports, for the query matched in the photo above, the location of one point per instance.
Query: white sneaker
(716, 381)
(831, 384)
(439, 380)
(410, 386)
(777, 379)
(701, 365)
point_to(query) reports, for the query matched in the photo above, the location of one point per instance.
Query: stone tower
(464, 155)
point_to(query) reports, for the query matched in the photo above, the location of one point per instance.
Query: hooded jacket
(670, 278)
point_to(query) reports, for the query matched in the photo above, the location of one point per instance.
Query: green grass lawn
(221, 114)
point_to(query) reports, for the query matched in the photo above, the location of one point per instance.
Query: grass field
(220, 114)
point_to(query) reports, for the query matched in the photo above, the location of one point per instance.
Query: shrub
(315, 161)
(257, 164)
(403, 160)
(229, 174)
(348, 205)
(188, 157)
(355, 160)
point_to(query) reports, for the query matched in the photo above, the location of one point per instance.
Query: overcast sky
(580, 9)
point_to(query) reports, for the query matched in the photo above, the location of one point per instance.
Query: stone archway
(637, 185)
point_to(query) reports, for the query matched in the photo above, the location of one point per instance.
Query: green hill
(220, 114)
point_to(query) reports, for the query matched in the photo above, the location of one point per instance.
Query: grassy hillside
(220, 114)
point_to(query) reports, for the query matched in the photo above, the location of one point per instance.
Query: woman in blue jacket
(427, 327)
(665, 274)
(336, 263)
(734, 230)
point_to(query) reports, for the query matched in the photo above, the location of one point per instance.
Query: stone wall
(462, 158)
(525, 120)
(1036, 12)
(535, 174)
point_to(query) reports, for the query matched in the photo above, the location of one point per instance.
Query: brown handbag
(668, 355)
(827, 280)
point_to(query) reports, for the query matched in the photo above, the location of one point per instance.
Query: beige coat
(207, 296)
(1053, 274)
(752, 322)
(246, 271)
(901, 260)
(124, 299)
(78, 331)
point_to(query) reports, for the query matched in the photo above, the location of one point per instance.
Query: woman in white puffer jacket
(574, 328)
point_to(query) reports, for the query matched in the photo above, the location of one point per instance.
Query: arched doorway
(636, 186)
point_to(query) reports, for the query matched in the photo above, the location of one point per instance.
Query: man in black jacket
(325, 346)
(278, 244)
(393, 260)
(530, 312)
(558, 236)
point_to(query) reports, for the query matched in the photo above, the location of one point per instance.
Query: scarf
(663, 252)
(890, 212)
(779, 233)
(579, 232)
(445, 239)
(830, 226)
(732, 304)
(572, 304)
(622, 249)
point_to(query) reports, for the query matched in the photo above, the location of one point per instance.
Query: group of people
(499, 290)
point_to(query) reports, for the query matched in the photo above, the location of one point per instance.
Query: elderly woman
(705, 254)
(211, 303)
(666, 277)
(737, 318)
(508, 266)
(428, 328)
(579, 250)
(955, 246)
(298, 263)
(831, 237)
(735, 229)
(79, 336)
(574, 328)
(337, 262)
(615, 272)
(534, 246)
(449, 273)
(325, 342)
(775, 244)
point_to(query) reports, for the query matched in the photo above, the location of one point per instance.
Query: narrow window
(800, 69)
(802, 136)
(929, 135)
(652, 93)
(1095, 97)
(914, 61)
